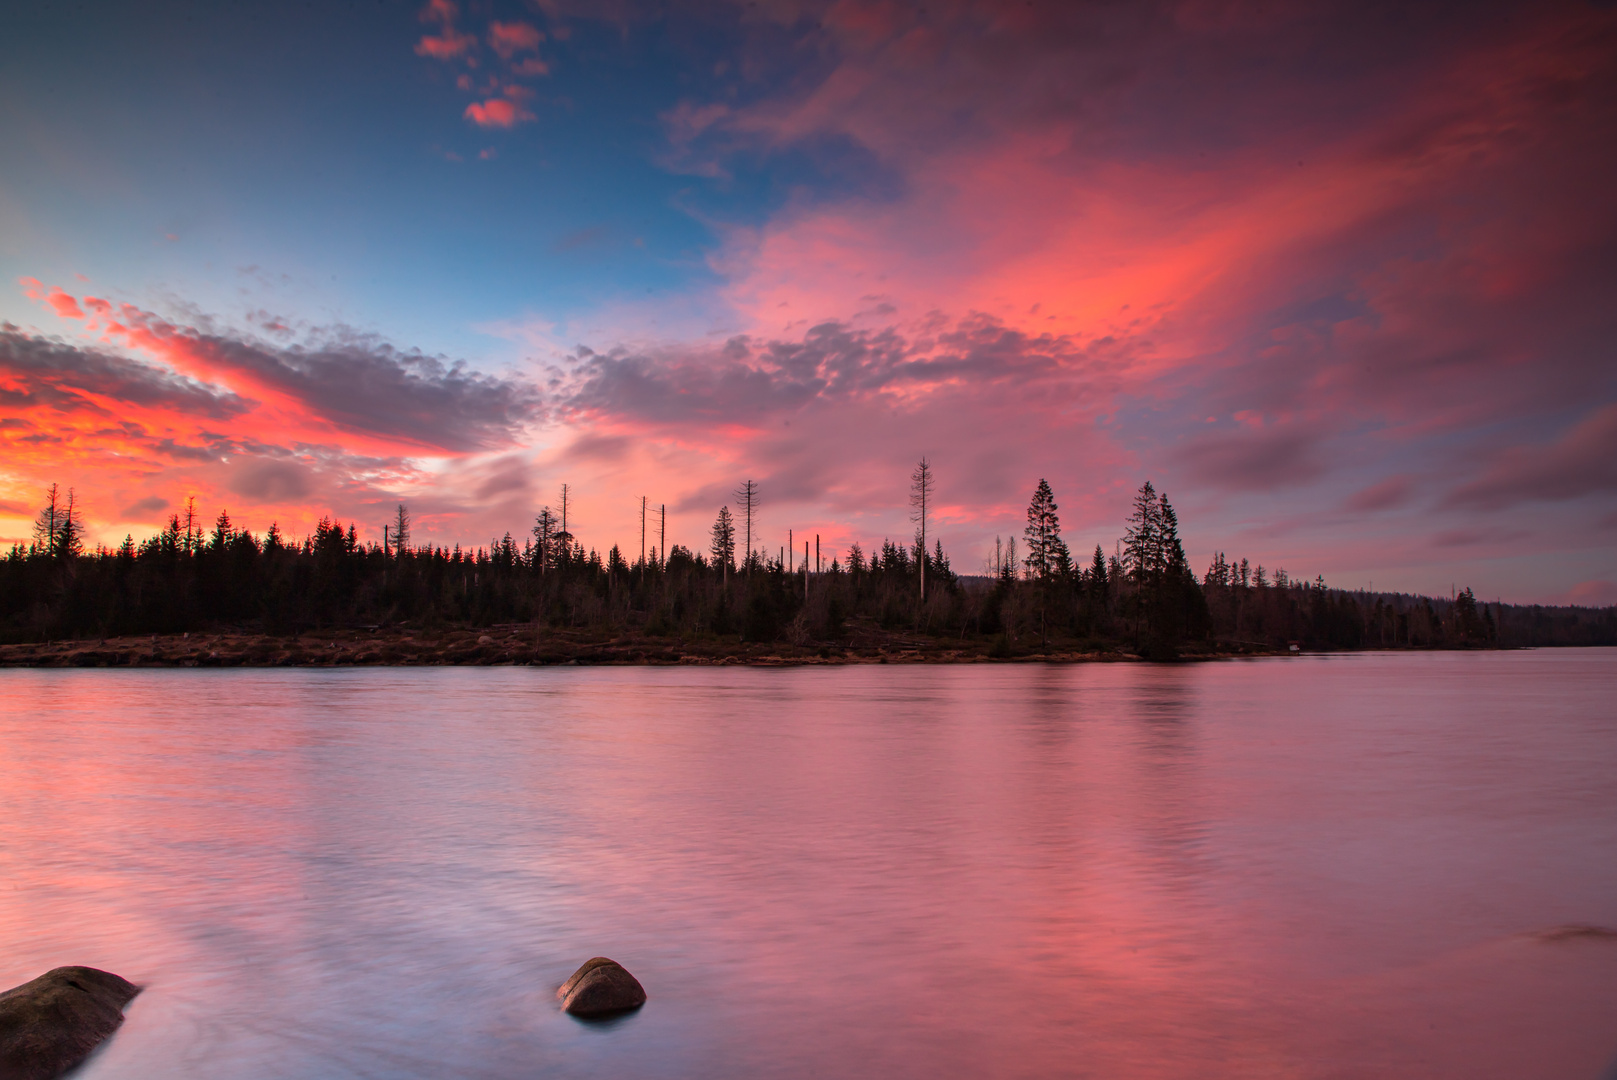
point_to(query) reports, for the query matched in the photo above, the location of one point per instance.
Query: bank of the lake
(527, 645)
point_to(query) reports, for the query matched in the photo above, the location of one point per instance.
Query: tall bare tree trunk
(920, 503)
(748, 494)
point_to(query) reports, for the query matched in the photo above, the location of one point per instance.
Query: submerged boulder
(51, 1024)
(601, 987)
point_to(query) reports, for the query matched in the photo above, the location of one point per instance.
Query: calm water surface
(1312, 867)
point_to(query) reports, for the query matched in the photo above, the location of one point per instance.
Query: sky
(1339, 278)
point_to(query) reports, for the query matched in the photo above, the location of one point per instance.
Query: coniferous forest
(1036, 598)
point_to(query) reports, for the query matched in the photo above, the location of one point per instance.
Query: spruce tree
(401, 531)
(222, 531)
(1048, 560)
(723, 546)
(1142, 541)
(545, 528)
(1047, 555)
(70, 529)
(1099, 582)
(1171, 553)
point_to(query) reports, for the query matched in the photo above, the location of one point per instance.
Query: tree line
(1142, 598)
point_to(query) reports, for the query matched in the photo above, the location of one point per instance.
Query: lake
(1317, 866)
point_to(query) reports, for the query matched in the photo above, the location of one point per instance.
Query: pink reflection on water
(1326, 867)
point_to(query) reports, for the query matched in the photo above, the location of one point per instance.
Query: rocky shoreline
(529, 646)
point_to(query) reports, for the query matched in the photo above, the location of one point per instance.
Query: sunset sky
(1340, 278)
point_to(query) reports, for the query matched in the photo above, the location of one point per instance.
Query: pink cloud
(64, 305)
(497, 113)
(446, 45)
(339, 383)
(1059, 238)
(1012, 207)
(1012, 202)
(1371, 271)
(530, 66)
(509, 38)
(281, 431)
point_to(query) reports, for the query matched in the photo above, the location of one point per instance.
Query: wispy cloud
(1262, 460)
(1389, 493)
(1581, 463)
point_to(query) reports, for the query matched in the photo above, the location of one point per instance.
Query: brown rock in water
(51, 1024)
(599, 988)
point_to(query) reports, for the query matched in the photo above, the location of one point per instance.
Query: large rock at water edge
(601, 987)
(51, 1024)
